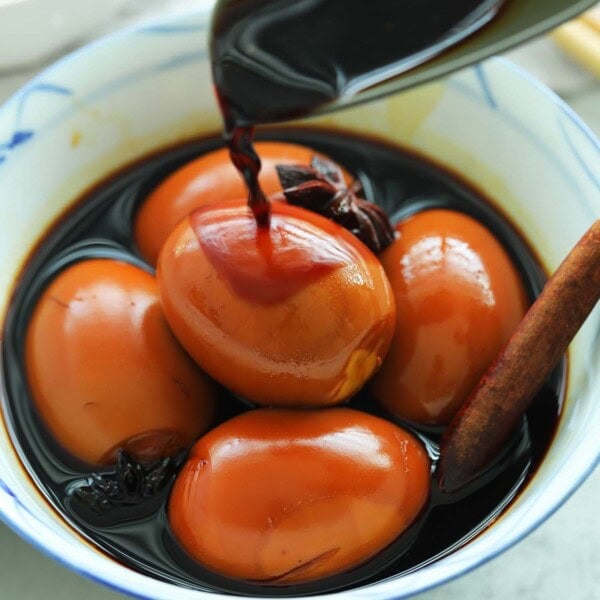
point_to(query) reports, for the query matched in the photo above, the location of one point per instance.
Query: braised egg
(298, 313)
(105, 372)
(458, 299)
(285, 496)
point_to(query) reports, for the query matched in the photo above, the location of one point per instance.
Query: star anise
(128, 484)
(321, 188)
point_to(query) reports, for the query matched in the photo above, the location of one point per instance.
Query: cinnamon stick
(495, 407)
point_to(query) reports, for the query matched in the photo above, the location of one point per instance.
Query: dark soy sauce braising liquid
(138, 535)
(277, 59)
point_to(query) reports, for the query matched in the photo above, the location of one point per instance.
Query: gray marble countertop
(560, 560)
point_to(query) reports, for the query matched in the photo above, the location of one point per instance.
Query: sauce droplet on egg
(269, 264)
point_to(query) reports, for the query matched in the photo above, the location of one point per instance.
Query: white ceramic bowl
(147, 88)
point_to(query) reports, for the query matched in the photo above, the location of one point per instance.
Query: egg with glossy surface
(299, 313)
(287, 496)
(458, 298)
(106, 373)
(208, 179)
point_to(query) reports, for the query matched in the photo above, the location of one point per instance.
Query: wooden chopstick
(592, 18)
(580, 39)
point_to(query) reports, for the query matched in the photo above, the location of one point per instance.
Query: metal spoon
(518, 22)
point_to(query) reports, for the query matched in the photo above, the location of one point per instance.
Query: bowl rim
(36, 536)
